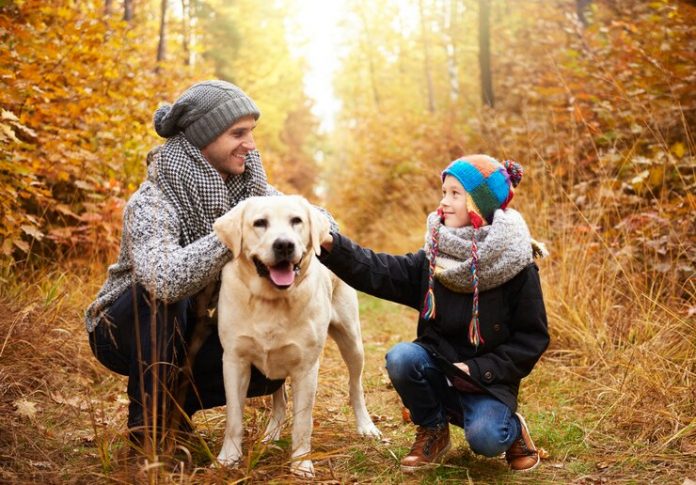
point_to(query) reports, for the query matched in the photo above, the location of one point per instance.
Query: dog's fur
(276, 306)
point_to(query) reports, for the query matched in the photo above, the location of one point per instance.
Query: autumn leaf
(25, 408)
(678, 149)
(65, 210)
(22, 245)
(26, 130)
(8, 115)
(33, 231)
(74, 401)
(6, 133)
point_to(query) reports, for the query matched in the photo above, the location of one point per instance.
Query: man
(153, 299)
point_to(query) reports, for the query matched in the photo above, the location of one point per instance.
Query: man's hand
(463, 367)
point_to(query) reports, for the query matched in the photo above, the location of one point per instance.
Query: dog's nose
(283, 248)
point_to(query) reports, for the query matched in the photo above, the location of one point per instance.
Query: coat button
(488, 376)
(496, 327)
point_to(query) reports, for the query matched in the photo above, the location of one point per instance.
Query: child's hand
(463, 367)
(327, 242)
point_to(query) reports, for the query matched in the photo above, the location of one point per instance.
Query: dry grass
(608, 407)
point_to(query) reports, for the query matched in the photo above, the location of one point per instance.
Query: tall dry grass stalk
(620, 327)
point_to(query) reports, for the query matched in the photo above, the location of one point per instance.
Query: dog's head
(277, 234)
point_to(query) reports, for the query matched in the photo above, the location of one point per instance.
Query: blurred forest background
(595, 98)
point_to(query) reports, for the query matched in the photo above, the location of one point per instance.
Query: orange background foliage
(600, 116)
(77, 91)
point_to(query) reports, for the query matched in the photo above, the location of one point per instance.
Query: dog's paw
(303, 469)
(369, 430)
(228, 460)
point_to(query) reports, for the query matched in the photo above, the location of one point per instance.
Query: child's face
(453, 203)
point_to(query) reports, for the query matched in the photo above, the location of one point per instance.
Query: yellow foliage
(77, 92)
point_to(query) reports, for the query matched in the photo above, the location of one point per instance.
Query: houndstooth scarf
(196, 189)
(504, 249)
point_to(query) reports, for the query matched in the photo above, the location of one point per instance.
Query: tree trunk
(128, 10)
(186, 24)
(485, 53)
(450, 48)
(368, 52)
(161, 47)
(426, 52)
(580, 6)
(107, 7)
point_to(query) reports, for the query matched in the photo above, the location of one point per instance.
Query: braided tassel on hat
(475, 336)
(429, 311)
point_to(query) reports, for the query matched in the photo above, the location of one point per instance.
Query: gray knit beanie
(204, 111)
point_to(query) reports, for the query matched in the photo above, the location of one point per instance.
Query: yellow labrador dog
(277, 304)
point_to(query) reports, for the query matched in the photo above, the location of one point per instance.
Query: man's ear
(228, 228)
(319, 228)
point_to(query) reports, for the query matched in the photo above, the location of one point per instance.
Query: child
(482, 324)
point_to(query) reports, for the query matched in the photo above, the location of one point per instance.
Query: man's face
(453, 204)
(227, 152)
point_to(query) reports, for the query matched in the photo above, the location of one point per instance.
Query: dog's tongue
(282, 274)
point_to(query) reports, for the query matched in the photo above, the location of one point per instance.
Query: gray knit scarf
(196, 189)
(504, 249)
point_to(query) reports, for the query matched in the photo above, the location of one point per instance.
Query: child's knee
(401, 360)
(487, 438)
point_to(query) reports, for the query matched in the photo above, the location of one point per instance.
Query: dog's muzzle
(282, 274)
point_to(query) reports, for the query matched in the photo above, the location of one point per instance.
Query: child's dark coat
(512, 316)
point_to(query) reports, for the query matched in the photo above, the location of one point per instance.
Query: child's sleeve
(515, 359)
(393, 278)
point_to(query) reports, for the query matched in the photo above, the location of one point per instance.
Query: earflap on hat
(477, 220)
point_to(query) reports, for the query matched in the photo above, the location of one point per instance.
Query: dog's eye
(295, 220)
(261, 223)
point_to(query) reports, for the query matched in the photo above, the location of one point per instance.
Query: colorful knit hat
(488, 184)
(489, 187)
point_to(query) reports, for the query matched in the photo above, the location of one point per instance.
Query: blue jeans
(489, 425)
(146, 340)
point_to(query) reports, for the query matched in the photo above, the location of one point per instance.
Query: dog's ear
(319, 228)
(228, 228)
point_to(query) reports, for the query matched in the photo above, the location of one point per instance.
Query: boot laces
(425, 437)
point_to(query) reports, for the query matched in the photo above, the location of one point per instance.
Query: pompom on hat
(489, 186)
(204, 111)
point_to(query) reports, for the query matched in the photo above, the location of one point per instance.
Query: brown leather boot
(430, 447)
(522, 456)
